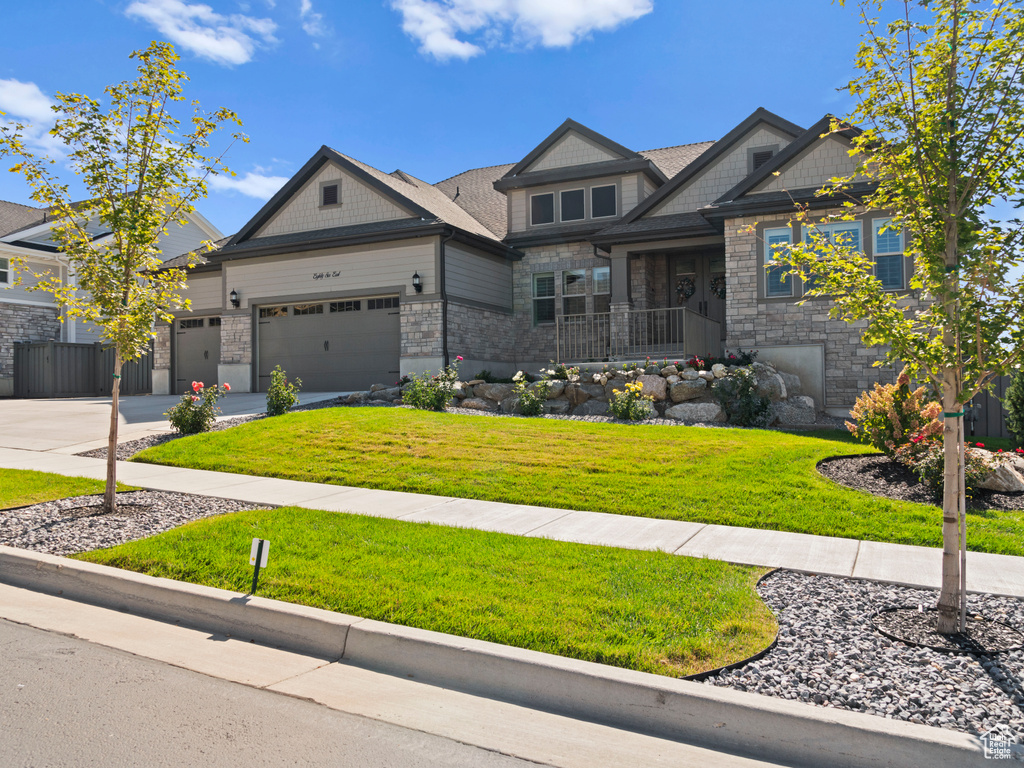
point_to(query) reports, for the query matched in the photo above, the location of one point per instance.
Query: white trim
(26, 303)
(769, 260)
(7, 269)
(561, 215)
(876, 225)
(617, 202)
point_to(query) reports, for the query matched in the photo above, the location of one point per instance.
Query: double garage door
(341, 345)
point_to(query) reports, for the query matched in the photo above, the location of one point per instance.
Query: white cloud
(256, 185)
(437, 24)
(25, 101)
(223, 39)
(312, 22)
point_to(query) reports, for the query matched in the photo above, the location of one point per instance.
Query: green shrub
(737, 393)
(562, 372)
(929, 464)
(432, 393)
(729, 358)
(631, 404)
(282, 394)
(531, 401)
(1013, 402)
(197, 410)
(891, 415)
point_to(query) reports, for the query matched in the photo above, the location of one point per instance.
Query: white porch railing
(636, 334)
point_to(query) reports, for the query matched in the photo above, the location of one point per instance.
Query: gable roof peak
(571, 126)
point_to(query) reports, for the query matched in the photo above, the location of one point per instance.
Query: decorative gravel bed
(830, 655)
(77, 524)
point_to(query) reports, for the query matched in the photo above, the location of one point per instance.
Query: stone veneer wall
(481, 334)
(537, 343)
(21, 322)
(421, 329)
(753, 322)
(236, 339)
(162, 347)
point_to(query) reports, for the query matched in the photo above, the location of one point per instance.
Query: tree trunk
(109, 495)
(950, 597)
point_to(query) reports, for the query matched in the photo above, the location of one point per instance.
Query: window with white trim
(602, 202)
(543, 298)
(542, 208)
(5, 271)
(602, 289)
(574, 292)
(776, 280)
(572, 203)
(887, 247)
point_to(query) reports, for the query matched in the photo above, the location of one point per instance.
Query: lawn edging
(716, 718)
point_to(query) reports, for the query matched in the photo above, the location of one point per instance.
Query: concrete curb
(716, 718)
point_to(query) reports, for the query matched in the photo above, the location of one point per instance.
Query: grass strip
(649, 611)
(21, 487)
(743, 477)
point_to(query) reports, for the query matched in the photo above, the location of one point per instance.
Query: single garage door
(340, 345)
(197, 352)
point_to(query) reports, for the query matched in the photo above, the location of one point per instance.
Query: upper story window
(330, 193)
(572, 201)
(543, 298)
(887, 244)
(776, 282)
(542, 208)
(5, 271)
(602, 201)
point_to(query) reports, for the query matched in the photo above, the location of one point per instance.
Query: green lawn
(753, 478)
(20, 487)
(649, 611)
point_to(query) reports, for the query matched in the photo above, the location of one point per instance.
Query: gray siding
(477, 277)
(572, 149)
(181, 239)
(20, 292)
(519, 200)
(827, 158)
(204, 292)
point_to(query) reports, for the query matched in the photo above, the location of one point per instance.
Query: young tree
(141, 179)
(940, 99)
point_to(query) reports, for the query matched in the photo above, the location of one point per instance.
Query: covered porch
(666, 301)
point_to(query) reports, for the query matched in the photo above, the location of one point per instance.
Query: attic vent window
(760, 158)
(329, 194)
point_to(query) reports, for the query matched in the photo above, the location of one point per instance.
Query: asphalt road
(68, 702)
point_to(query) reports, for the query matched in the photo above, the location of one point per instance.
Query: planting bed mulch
(881, 476)
(830, 654)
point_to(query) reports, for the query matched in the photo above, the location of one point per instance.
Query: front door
(698, 284)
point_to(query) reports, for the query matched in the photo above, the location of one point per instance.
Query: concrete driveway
(71, 425)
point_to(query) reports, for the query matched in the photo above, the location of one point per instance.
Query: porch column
(620, 304)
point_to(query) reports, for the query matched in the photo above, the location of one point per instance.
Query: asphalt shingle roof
(14, 216)
(651, 224)
(671, 160)
(478, 197)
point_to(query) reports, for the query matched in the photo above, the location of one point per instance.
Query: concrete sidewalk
(893, 563)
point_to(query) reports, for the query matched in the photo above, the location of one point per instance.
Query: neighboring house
(582, 251)
(26, 316)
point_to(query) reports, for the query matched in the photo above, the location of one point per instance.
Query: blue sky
(436, 87)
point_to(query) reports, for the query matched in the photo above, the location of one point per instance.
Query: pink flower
(227, 387)
(980, 445)
(458, 359)
(194, 398)
(195, 386)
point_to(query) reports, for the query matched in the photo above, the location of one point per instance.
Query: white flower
(518, 376)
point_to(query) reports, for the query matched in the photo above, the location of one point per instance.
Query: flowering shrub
(729, 358)
(562, 372)
(531, 401)
(928, 462)
(737, 394)
(432, 393)
(282, 394)
(631, 404)
(891, 415)
(196, 410)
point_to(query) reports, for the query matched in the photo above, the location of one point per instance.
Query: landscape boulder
(591, 408)
(688, 390)
(1006, 475)
(796, 411)
(479, 404)
(653, 386)
(495, 392)
(696, 412)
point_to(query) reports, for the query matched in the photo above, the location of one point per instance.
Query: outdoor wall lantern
(417, 282)
(234, 299)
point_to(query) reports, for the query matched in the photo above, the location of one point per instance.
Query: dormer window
(602, 202)
(330, 193)
(572, 205)
(542, 208)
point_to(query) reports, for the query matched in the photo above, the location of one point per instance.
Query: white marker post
(258, 557)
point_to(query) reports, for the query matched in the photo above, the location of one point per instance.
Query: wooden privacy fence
(985, 415)
(60, 369)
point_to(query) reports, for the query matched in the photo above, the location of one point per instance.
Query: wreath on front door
(685, 288)
(717, 286)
